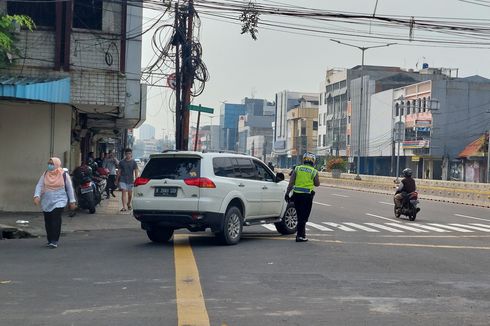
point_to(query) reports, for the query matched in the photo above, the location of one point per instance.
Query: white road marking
(472, 217)
(362, 227)
(450, 227)
(269, 227)
(384, 227)
(406, 227)
(318, 226)
(384, 218)
(315, 202)
(385, 203)
(471, 227)
(339, 226)
(338, 195)
(483, 225)
(432, 228)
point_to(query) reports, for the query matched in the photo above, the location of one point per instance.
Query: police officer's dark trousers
(302, 203)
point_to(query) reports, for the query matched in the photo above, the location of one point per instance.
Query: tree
(8, 26)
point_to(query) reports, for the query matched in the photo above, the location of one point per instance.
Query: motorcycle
(88, 187)
(409, 206)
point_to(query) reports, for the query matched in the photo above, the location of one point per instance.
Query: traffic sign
(200, 108)
(399, 131)
(172, 81)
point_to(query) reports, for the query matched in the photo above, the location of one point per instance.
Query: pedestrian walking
(110, 163)
(128, 171)
(100, 160)
(304, 179)
(53, 191)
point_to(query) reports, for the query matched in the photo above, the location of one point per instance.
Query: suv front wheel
(289, 221)
(160, 235)
(232, 227)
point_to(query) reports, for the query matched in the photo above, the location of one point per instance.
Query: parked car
(201, 190)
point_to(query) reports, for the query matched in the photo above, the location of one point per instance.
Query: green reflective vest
(305, 176)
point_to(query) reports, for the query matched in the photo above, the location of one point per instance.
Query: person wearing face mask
(53, 191)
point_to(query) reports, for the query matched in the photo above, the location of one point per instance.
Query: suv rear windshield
(176, 168)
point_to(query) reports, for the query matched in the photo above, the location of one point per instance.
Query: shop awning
(52, 90)
(476, 148)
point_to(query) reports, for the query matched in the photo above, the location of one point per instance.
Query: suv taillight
(141, 181)
(200, 182)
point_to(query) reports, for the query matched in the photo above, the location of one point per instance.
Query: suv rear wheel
(289, 221)
(160, 235)
(232, 227)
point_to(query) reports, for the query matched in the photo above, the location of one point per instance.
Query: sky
(240, 67)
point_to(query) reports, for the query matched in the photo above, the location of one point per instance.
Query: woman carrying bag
(53, 191)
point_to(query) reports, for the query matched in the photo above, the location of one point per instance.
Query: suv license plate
(165, 191)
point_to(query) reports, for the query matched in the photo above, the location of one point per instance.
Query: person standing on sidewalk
(128, 171)
(53, 191)
(110, 163)
(304, 179)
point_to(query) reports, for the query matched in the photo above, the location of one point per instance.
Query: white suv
(200, 190)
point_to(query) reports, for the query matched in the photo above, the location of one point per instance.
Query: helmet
(309, 158)
(407, 172)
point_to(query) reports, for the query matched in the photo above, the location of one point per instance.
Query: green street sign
(201, 108)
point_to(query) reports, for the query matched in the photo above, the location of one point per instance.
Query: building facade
(72, 87)
(229, 117)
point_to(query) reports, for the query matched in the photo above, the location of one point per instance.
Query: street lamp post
(363, 49)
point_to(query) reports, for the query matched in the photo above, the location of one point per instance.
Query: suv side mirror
(279, 177)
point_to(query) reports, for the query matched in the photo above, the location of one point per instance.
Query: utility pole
(488, 150)
(363, 49)
(188, 76)
(178, 80)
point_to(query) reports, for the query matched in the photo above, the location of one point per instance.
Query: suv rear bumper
(179, 219)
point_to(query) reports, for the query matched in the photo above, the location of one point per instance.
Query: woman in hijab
(53, 191)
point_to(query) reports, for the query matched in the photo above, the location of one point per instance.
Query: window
(402, 109)
(42, 12)
(315, 125)
(397, 110)
(263, 174)
(176, 168)
(87, 14)
(348, 139)
(223, 167)
(246, 168)
(320, 141)
(419, 104)
(414, 107)
(325, 140)
(408, 108)
(424, 105)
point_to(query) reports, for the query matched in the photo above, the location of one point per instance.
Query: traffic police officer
(304, 179)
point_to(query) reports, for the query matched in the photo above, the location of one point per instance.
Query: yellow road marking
(191, 308)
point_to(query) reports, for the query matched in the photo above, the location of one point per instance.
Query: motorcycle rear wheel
(413, 214)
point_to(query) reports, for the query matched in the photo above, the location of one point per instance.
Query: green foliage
(337, 163)
(8, 25)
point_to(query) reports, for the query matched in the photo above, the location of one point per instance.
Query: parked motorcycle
(409, 206)
(88, 187)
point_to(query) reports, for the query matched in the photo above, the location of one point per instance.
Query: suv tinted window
(176, 168)
(263, 173)
(246, 167)
(223, 167)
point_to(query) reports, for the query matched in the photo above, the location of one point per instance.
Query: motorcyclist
(304, 179)
(405, 187)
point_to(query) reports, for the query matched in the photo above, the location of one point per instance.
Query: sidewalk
(107, 217)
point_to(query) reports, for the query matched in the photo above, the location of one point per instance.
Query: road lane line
(384, 218)
(472, 217)
(361, 227)
(328, 205)
(338, 195)
(471, 227)
(482, 225)
(269, 227)
(406, 227)
(385, 203)
(339, 226)
(432, 228)
(318, 226)
(191, 308)
(450, 227)
(384, 227)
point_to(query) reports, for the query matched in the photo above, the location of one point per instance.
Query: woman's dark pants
(52, 222)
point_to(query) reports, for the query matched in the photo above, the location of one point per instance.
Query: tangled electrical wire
(163, 63)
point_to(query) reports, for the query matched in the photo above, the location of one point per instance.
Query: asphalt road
(360, 267)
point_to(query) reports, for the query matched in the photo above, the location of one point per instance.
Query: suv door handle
(265, 187)
(241, 185)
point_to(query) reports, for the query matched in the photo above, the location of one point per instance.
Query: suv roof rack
(222, 151)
